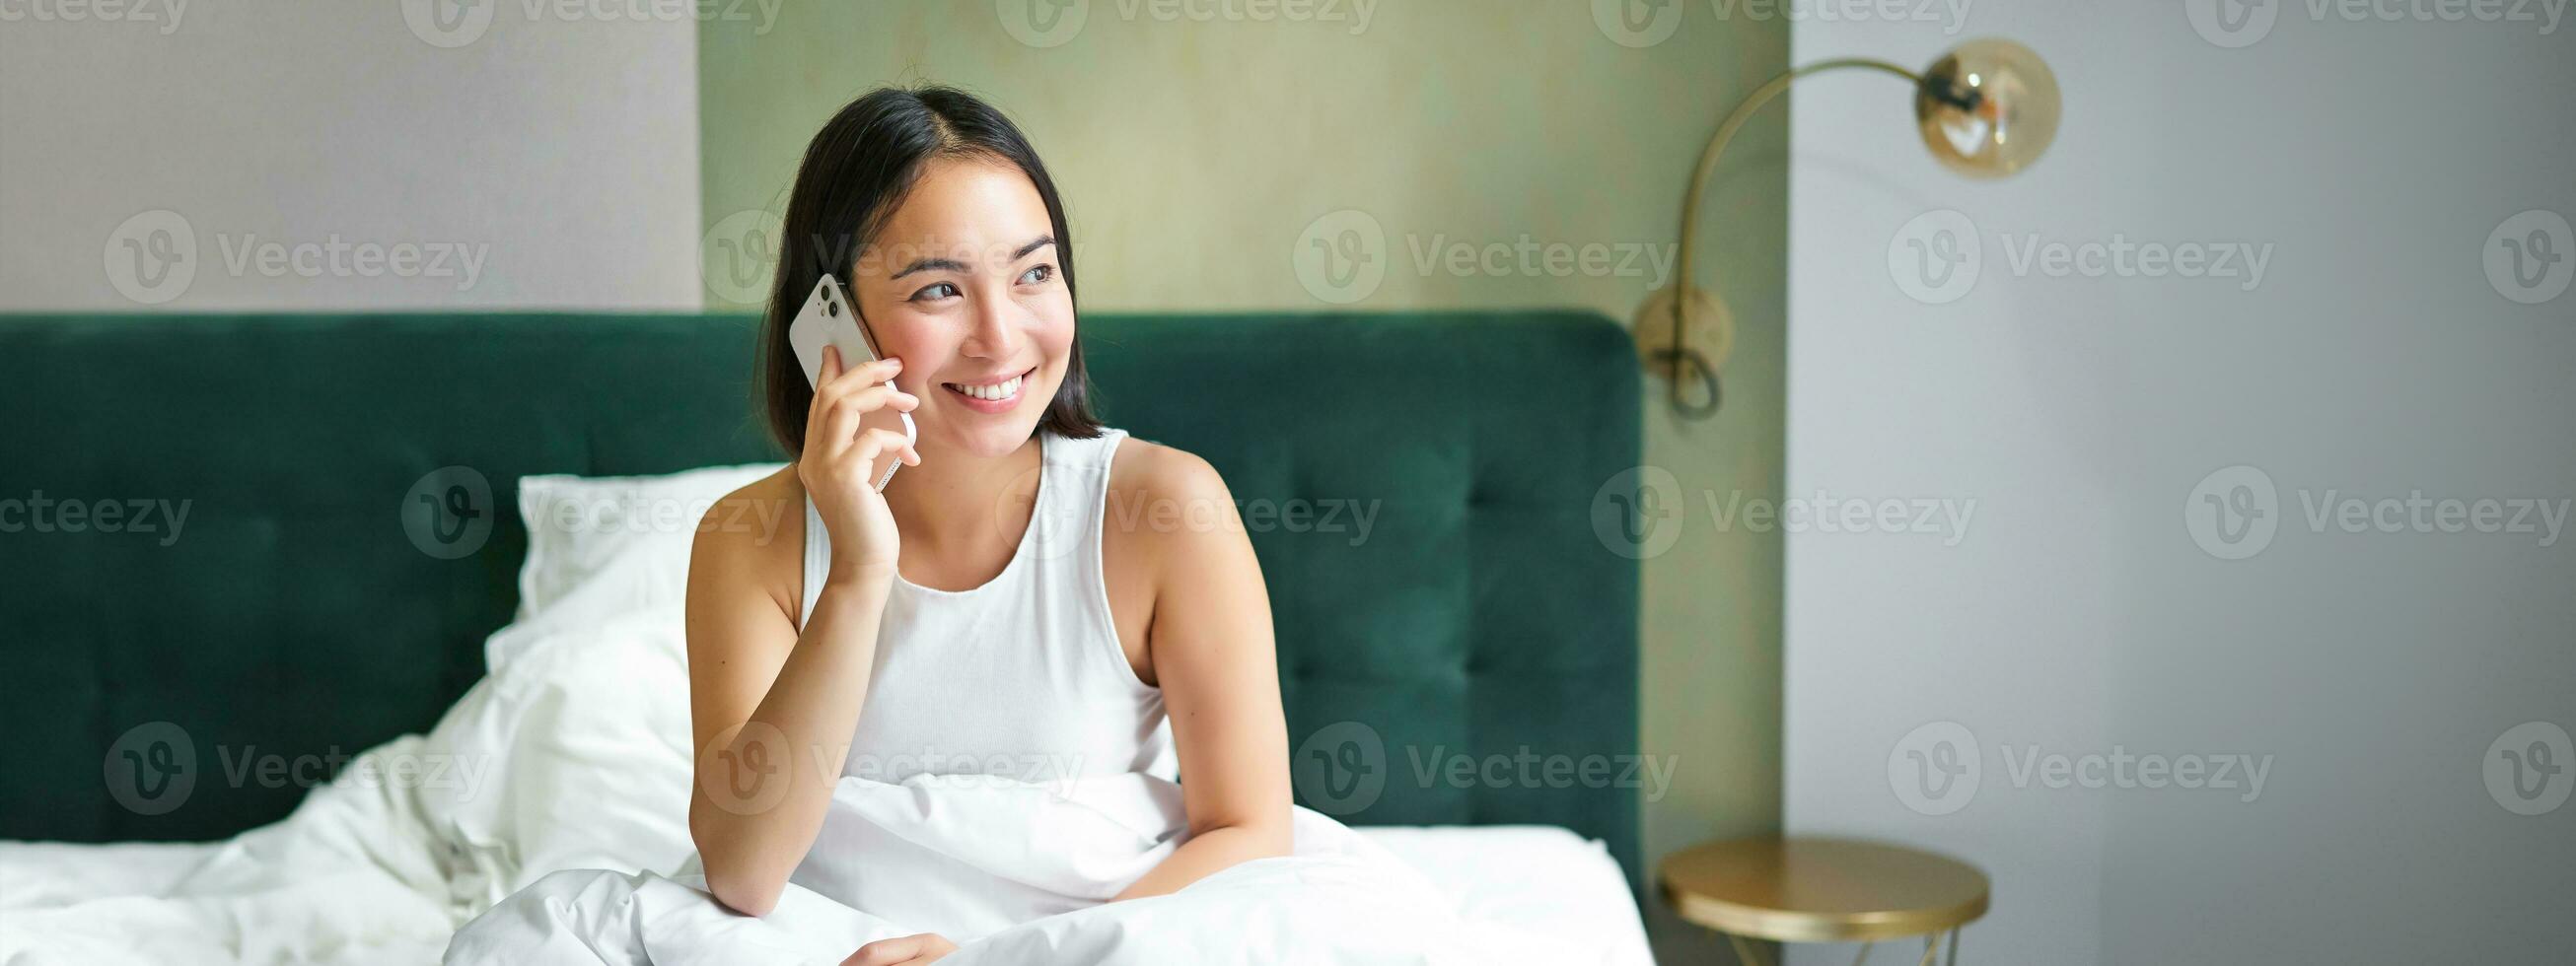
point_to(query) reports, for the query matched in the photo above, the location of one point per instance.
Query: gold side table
(1808, 890)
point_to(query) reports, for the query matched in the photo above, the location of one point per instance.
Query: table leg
(1743, 951)
(1954, 945)
(1931, 945)
(1864, 952)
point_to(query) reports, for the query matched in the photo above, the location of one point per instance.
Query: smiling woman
(949, 153)
(929, 647)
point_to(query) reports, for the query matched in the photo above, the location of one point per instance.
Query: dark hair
(855, 174)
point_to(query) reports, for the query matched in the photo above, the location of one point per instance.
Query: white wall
(561, 154)
(2078, 612)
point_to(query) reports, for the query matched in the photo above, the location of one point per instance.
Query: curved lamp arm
(1681, 355)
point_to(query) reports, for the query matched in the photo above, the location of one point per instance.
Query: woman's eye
(935, 290)
(1036, 274)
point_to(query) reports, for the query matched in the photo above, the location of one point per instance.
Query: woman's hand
(911, 950)
(841, 464)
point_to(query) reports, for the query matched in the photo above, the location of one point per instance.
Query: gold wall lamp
(1987, 109)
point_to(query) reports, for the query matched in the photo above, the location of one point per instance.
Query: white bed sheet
(1544, 878)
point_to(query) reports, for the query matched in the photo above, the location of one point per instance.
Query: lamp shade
(1988, 108)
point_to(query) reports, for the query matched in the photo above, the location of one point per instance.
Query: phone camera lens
(831, 308)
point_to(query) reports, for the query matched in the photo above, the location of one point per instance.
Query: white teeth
(995, 392)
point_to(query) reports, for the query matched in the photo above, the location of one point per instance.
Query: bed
(267, 473)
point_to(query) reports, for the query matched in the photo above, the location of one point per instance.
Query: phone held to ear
(829, 318)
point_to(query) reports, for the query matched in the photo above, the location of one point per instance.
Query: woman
(964, 703)
(920, 623)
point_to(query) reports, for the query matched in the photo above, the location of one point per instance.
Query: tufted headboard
(1420, 489)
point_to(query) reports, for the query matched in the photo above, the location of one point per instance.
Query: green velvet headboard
(1479, 615)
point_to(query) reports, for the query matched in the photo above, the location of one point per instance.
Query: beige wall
(1196, 158)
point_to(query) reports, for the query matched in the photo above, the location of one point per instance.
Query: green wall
(1194, 155)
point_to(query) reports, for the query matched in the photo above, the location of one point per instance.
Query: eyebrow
(953, 265)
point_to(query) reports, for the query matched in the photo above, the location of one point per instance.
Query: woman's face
(964, 286)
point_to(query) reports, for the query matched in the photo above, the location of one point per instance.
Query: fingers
(840, 402)
(900, 949)
(833, 382)
(877, 442)
(840, 427)
(863, 374)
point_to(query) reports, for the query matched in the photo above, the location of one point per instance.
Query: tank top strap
(1073, 490)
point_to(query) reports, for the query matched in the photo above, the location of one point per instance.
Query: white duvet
(571, 754)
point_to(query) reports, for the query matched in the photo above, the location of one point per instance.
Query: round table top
(1821, 889)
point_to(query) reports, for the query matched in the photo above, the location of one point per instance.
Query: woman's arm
(772, 712)
(1211, 649)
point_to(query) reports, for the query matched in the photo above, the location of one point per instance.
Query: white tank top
(1022, 677)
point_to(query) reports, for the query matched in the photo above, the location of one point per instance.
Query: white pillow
(603, 546)
(577, 738)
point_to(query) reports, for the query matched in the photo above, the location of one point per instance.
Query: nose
(996, 331)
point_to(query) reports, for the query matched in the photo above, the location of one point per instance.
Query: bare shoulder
(753, 537)
(1163, 472)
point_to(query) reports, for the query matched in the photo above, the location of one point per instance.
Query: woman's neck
(959, 503)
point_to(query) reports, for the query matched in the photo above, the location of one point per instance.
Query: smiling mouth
(992, 392)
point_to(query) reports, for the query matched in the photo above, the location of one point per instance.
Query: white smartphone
(829, 318)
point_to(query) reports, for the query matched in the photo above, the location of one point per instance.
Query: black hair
(855, 174)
